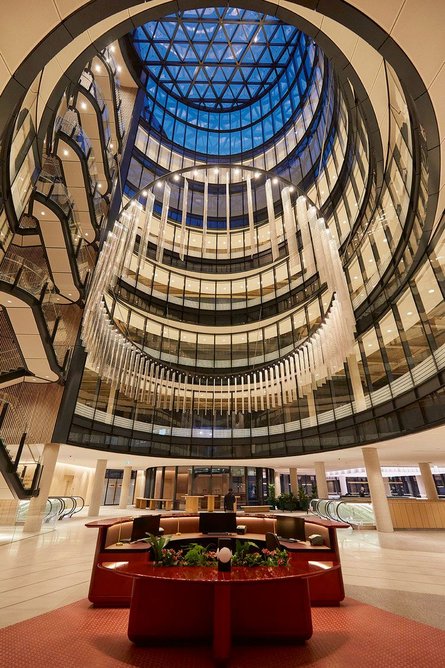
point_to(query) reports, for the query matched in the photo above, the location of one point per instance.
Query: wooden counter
(417, 513)
(219, 606)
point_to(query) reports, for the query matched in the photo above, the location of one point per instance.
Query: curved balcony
(28, 296)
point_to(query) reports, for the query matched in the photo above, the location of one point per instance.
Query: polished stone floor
(402, 572)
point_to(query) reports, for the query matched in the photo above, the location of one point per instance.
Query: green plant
(245, 556)
(303, 499)
(271, 498)
(287, 502)
(198, 555)
(158, 544)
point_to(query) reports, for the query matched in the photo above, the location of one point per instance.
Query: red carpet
(352, 636)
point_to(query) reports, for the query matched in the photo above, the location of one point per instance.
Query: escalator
(358, 515)
(57, 508)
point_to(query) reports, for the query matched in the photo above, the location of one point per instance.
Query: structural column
(125, 489)
(377, 490)
(320, 477)
(428, 481)
(277, 484)
(356, 382)
(311, 408)
(37, 504)
(111, 398)
(98, 488)
(140, 484)
(294, 481)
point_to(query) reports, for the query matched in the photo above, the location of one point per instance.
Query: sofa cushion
(121, 530)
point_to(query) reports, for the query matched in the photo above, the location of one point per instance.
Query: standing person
(229, 500)
(362, 491)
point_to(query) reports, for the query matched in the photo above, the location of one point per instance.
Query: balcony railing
(50, 185)
(25, 275)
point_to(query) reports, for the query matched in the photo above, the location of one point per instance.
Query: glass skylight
(217, 58)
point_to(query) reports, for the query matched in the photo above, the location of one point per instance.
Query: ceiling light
(111, 145)
(144, 193)
(237, 171)
(159, 184)
(112, 48)
(119, 68)
(216, 170)
(86, 234)
(98, 68)
(176, 177)
(431, 291)
(291, 189)
(83, 105)
(65, 152)
(9, 301)
(275, 180)
(257, 175)
(99, 185)
(409, 313)
(389, 331)
(42, 213)
(195, 172)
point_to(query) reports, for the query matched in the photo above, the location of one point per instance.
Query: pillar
(377, 490)
(125, 489)
(140, 484)
(356, 383)
(111, 398)
(37, 505)
(277, 484)
(428, 481)
(98, 488)
(311, 408)
(294, 481)
(320, 477)
(421, 486)
(343, 485)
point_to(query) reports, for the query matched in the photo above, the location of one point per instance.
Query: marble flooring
(402, 572)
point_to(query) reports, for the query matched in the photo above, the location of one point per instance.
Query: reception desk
(109, 589)
(219, 607)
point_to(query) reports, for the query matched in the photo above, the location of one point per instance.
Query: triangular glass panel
(200, 90)
(220, 35)
(220, 50)
(161, 32)
(183, 88)
(170, 27)
(210, 29)
(237, 76)
(230, 29)
(180, 34)
(181, 50)
(200, 49)
(188, 31)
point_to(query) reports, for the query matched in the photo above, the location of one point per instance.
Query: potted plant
(287, 502)
(158, 544)
(271, 498)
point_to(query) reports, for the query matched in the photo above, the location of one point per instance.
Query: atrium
(222, 259)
